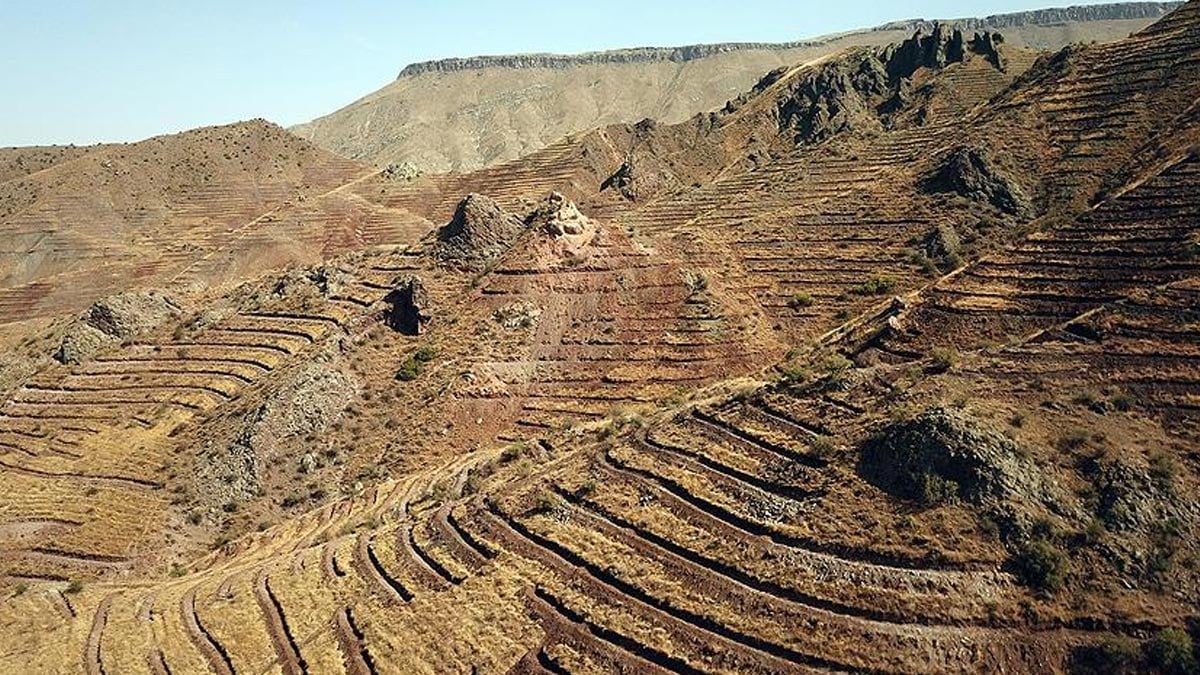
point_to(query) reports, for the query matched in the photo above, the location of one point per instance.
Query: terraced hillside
(888, 366)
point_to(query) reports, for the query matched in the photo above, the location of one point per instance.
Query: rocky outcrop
(114, 319)
(945, 454)
(559, 217)
(305, 404)
(479, 232)
(862, 88)
(408, 307)
(622, 180)
(402, 172)
(969, 173)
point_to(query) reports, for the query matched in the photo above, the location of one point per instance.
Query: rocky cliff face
(1044, 17)
(848, 93)
(1111, 12)
(615, 56)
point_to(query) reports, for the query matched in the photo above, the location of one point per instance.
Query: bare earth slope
(463, 114)
(199, 208)
(889, 365)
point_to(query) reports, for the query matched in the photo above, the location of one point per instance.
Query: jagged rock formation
(408, 306)
(113, 319)
(852, 92)
(622, 180)
(441, 115)
(969, 173)
(1108, 12)
(558, 217)
(479, 232)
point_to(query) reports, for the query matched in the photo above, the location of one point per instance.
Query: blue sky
(81, 72)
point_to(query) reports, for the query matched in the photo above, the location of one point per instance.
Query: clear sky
(74, 71)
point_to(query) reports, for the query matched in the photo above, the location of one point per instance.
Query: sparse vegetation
(1172, 652)
(936, 490)
(876, 284)
(1041, 565)
(801, 301)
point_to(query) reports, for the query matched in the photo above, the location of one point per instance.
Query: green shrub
(547, 502)
(944, 358)
(1042, 566)
(877, 284)
(425, 354)
(936, 490)
(75, 587)
(1162, 471)
(1116, 655)
(800, 301)
(409, 370)
(1172, 652)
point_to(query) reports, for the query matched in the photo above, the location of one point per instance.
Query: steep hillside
(462, 114)
(195, 209)
(888, 365)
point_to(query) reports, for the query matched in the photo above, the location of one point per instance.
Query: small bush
(801, 301)
(696, 282)
(936, 490)
(823, 447)
(1073, 440)
(178, 570)
(425, 354)
(513, 452)
(876, 284)
(1042, 566)
(795, 374)
(1172, 652)
(944, 358)
(75, 587)
(588, 488)
(21, 588)
(547, 502)
(1163, 471)
(409, 370)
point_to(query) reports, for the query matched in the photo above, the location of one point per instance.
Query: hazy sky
(81, 72)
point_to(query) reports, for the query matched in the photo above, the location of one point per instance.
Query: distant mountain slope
(462, 114)
(193, 209)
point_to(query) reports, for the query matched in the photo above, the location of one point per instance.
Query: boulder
(408, 306)
(479, 232)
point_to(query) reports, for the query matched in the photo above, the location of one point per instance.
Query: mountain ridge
(685, 53)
